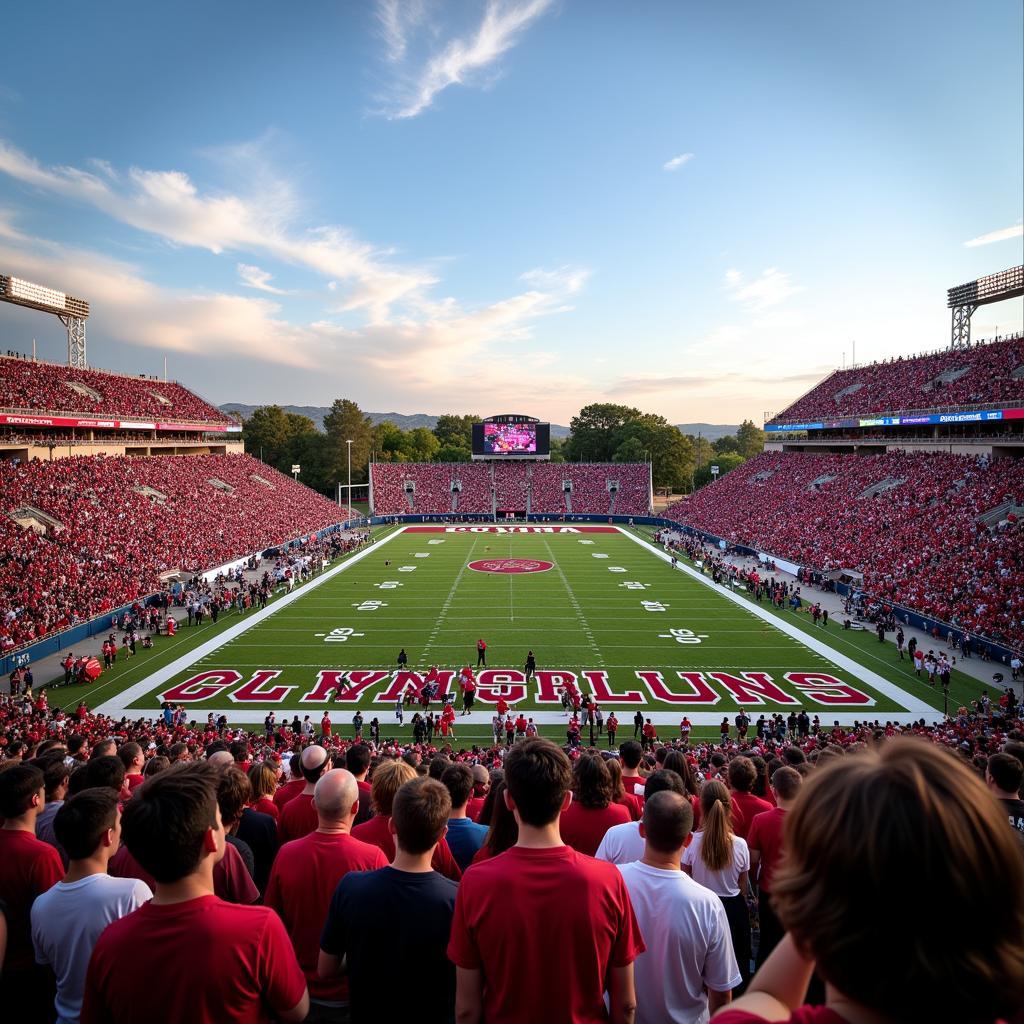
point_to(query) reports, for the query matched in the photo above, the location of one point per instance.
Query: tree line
(601, 432)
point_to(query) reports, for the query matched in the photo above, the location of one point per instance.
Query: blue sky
(509, 205)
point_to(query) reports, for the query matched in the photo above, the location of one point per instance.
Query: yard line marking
(575, 604)
(126, 698)
(895, 693)
(448, 600)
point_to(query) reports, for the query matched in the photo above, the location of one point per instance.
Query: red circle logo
(511, 565)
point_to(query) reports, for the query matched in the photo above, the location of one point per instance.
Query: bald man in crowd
(299, 817)
(306, 873)
(481, 787)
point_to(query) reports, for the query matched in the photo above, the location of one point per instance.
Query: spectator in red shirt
(295, 784)
(263, 780)
(560, 964)
(481, 787)
(845, 860)
(237, 960)
(28, 868)
(298, 817)
(764, 838)
(592, 812)
(306, 873)
(134, 761)
(742, 776)
(357, 761)
(387, 779)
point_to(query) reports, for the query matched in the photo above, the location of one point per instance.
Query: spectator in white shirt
(623, 844)
(720, 860)
(68, 919)
(684, 924)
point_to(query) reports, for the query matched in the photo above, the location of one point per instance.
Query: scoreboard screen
(512, 437)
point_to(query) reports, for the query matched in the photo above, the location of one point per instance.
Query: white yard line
(447, 604)
(576, 607)
(116, 706)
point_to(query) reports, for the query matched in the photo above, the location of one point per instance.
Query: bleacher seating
(476, 493)
(124, 521)
(510, 485)
(511, 482)
(918, 542)
(27, 386)
(982, 375)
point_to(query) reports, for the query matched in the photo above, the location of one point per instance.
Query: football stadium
(618, 720)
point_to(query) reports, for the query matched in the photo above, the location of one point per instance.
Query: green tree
(346, 421)
(453, 453)
(750, 439)
(274, 435)
(557, 449)
(593, 431)
(420, 445)
(455, 431)
(728, 443)
(653, 437)
(389, 442)
(702, 451)
(725, 462)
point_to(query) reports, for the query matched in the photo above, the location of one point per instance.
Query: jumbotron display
(511, 436)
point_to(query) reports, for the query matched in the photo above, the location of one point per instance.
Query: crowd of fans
(511, 487)
(219, 875)
(47, 388)
(918, 543)
(122, 522)
(991, 375)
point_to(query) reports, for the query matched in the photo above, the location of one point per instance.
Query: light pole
(349, 494)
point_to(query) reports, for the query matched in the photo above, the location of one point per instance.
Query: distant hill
(317, 413)
(709, 431)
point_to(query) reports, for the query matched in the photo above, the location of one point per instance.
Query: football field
(600, 607)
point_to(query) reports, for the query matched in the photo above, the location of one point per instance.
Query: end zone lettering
(676, 689)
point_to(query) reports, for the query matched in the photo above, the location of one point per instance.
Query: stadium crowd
(211, 874)
(48, 388)
(984, 374)
(125, 521)
(918, 542)
(505, 486)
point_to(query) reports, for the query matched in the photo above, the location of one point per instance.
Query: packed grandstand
(120, 520)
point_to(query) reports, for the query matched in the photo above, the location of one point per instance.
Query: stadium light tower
(71, 312)
(964, 299)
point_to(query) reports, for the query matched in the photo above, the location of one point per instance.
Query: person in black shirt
(395, 922)
(1004, 776)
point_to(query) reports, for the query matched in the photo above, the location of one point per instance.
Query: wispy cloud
(397, 18)
(771, 288)
(677, 161)
(417, 353)
(254, 277)
(996, 236)
(169, 205)
(461, 60)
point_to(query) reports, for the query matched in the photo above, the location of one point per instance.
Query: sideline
(122, 702)
(917, 707)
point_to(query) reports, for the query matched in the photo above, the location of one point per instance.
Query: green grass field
(609, 611)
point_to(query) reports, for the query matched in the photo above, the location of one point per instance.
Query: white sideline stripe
(865, 675)
(915, 708)
(119, 704)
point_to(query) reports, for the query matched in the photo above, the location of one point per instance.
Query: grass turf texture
(579, 616)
